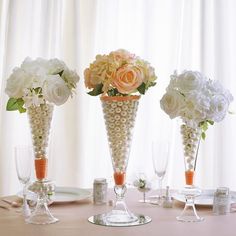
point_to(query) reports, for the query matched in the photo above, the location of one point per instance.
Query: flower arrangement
(40, 81)
(198, 100)
(119, 74)
(142, 183)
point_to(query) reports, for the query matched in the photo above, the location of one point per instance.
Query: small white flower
(31, 98)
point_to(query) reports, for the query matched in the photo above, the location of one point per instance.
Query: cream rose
(128, 78)
(17, 83)
(55, 90)
(90, 79)
(172, 104)
(218, 108)
(70, 77)
(122, 55)
(190, 80)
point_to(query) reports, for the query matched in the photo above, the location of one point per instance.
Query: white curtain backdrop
(171, 34)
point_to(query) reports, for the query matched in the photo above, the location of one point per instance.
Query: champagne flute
(160, 156)
(23, 160)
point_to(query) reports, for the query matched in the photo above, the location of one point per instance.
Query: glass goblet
(160, 156)
(143, 185)
(23, 160)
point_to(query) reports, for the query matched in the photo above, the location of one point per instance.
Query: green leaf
(97, 90)
(113, 92)
(60, 73)
(15, 104)
(204, 125)
(38, 90)
(12, 104)
(210, 122)
(203, 135)
(21, 109)
(151, 84)
(142, 88)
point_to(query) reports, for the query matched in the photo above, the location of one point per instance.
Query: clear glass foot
(120, 213)
(41, 214)
(120, 216)
(155, 200)
(189, 214)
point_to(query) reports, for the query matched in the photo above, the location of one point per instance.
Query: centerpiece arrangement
(35, 87)
(199, 102)
(119, 78)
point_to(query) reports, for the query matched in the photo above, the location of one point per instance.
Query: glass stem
(24, 196)
(144, 197)
(160, 187)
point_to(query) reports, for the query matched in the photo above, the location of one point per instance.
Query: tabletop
(73, 221)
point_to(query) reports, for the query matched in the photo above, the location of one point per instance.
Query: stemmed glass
(160, 156)
(23, 160)
(143, 185)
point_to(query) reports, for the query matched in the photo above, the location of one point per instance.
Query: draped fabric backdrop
(172, 34)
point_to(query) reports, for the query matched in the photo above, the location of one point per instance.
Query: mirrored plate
(205, 199)
(63, 194)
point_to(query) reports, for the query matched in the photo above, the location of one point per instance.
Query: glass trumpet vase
(40, 118)
(119, 115)
(191, 141)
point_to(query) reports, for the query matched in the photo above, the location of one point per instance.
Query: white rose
(17, 83)
(172, 103)
(70, 77)
(198, 104)
(214, 86)
(55, 90)
(218, 108)
(189, 80)
(36, 67)
(228, 96)
(55, 66)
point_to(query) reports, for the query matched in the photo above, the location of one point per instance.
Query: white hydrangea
(195, 98)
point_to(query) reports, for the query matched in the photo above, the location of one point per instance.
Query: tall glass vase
(119, 115)
(40, 118)
(191, 141)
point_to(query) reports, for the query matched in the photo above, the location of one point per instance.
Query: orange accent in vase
(119, 178)
(189, 174)
(41, 168)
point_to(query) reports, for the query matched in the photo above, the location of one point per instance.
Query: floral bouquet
(198, 100)
(40, 81)
(143, 185)
(119, 74)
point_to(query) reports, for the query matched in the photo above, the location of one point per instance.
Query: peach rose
(128, 78)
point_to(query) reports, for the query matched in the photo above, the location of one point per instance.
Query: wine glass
(23, 160)
(160, 156)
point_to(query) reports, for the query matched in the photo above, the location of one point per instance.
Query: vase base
(41, 219)
(189, 214)
(190, 218)
(119, 220)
